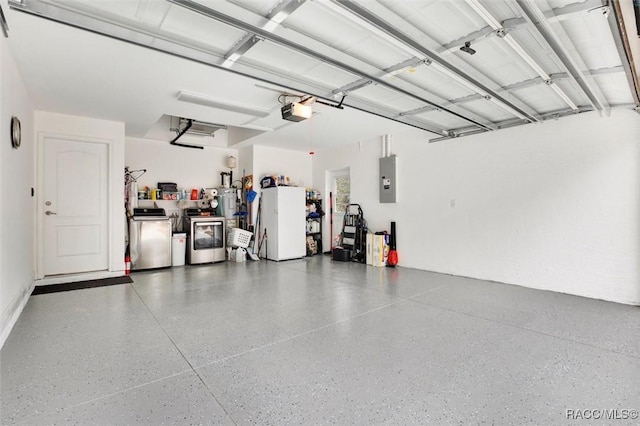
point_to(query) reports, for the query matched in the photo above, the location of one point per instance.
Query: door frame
(40, 208)
(330, 176)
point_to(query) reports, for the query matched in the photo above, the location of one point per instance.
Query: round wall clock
(16, 132)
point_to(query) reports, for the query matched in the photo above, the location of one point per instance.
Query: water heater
(226, 202)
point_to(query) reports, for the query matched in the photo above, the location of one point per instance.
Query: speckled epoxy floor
(313, 341)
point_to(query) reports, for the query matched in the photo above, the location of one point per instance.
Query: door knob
(49, 213)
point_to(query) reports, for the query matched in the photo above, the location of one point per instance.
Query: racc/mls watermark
(602, 414)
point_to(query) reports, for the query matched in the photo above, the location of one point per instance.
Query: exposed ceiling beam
(236, 23)
(552, 115)
(378, 26)
(515, 86)
(119, 29)
(539, 22)
(401, 67)
(415, 46)
(424, 109)
(239, 49)
(348, 88)
(274, 18)
(519, 50)
(386, 73)
(563, 12)
(395, 70)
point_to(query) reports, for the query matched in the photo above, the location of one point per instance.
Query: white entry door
(75, 206)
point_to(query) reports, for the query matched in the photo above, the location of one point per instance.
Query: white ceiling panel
(281, 58)
(560, 3)
(391, 100)
(574, 92)
(444, 120)
(325, 24)
(494, 57)
(378, 52)
(124, 8)
(530, 41)
(321, 48)
(591, 36)
(244, 11)
(201, 29)
(259, 7)
(435, 82)
(346, 36)
(614, 87)
(488, 109)
(541, 98)
(501, 10)
(328, 75)
(441, 20)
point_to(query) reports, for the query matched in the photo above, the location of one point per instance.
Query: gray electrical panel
(388, 182)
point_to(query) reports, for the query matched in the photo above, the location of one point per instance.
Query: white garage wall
(187, 167)
(17, 225)
(275, 161)
(280, 162)
(552, 206)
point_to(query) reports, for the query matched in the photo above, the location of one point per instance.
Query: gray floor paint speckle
(313, 341)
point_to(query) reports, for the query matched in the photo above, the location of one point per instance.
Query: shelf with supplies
(167, 196)
(171, 204)
(314, 220)
(314, 238)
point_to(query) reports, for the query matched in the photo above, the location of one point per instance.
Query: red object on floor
(392, 257)
(127, 265)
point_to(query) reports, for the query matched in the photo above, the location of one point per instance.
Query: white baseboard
(11, 314)
(72, 278)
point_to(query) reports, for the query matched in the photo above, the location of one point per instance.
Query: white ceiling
(156, 49)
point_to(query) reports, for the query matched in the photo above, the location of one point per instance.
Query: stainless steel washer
(149, 239)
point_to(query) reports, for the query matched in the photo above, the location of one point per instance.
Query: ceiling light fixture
(467, 48)
(199, 99)
(502, 33)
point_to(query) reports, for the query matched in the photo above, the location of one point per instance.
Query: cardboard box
(380, 250)
(377, 250)
(369, 253)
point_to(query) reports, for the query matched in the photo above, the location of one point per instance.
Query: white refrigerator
(283, 215)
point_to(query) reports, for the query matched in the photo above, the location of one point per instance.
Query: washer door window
(207, 235)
